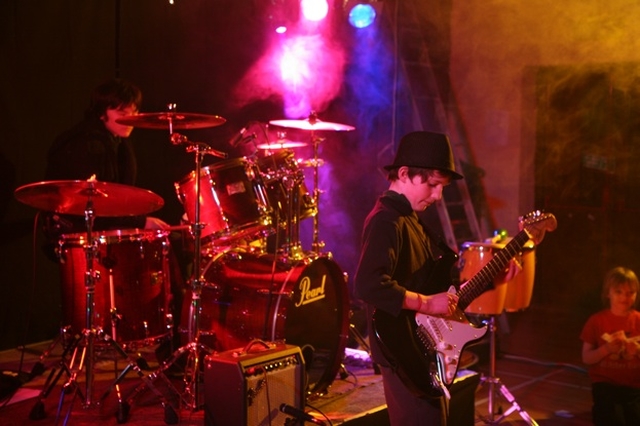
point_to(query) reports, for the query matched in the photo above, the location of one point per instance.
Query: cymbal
(312, 124)
(172, 120)
(71, 197)
(311, 163)
(281, 144)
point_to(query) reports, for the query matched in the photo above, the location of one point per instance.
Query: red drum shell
(138, 260)
(473, 257)
(233, 203)
(520, 288)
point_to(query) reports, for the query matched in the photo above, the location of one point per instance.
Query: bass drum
(251, 296)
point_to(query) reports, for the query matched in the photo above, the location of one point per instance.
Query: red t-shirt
(622, 368)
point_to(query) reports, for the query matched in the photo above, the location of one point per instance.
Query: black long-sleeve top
(396, 256)
(90, 149)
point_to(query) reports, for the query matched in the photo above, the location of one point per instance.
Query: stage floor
(547, 392)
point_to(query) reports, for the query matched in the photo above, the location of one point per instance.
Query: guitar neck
(484, 278)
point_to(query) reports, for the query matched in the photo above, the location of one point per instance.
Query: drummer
(97, 146)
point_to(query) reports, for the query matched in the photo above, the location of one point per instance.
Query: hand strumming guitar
(435, 304)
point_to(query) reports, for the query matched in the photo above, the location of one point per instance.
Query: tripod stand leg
(360, 339)
(189, 397)
(38, 367)
(38, 411)
(124, 406)
(515, 406)
(495, 382)
(71, 386)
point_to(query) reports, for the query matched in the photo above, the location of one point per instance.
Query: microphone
(300, 415)
(241, 137)
(238, 137)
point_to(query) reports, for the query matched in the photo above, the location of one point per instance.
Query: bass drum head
(259, 296)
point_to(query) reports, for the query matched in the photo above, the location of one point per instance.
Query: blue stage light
(362, 15)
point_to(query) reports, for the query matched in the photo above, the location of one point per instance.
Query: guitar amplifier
(247, 388)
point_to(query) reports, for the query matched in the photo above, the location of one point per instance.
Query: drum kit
(116, 284)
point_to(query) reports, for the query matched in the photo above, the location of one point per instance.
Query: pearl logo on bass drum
(309, 294)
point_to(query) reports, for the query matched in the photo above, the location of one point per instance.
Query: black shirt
(85, 150)
(396, 256)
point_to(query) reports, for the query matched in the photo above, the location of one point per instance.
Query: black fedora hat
(426, 150)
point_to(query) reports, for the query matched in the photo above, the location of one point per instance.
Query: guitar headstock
(536, 223)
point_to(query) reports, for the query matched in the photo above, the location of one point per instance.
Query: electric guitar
(425, 349)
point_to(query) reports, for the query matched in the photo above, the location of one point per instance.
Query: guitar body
(425, 349)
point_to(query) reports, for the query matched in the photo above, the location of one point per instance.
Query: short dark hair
(113, 94)
(416, 171)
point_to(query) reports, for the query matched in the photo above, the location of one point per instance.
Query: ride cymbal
(172, 120)
(312, 124)
(72, 196)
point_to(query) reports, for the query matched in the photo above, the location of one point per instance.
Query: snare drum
(233, 202)
(520, 288)
(132, 296)
(256, 296)
(280, 172)
(473, 257)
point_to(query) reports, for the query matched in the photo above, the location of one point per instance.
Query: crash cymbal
(71, 197)
(281, 144)
(172, 120)
(312, 124)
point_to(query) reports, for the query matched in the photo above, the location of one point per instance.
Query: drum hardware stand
(317, 246)
(361, 341)
(495, 381)
(85, 340)
(293, 246)
(191, 395)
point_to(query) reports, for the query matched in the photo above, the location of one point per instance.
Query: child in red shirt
(611, 349)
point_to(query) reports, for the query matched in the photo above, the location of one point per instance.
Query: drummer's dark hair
(617, 277)
(113, 93)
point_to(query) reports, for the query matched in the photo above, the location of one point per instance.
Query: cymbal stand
(82, 346)
(495, 382)
(293, 246)
(316, 245)
(194, 348)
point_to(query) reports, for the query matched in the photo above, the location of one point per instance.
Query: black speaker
(247, 388)
(463, 404)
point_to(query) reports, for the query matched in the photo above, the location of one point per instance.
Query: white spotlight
(314, 10)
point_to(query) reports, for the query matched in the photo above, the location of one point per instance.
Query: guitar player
(396, 260)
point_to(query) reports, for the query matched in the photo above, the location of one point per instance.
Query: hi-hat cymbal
(172, 120)
(281, 144)
(312, 124)
(72, 196)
